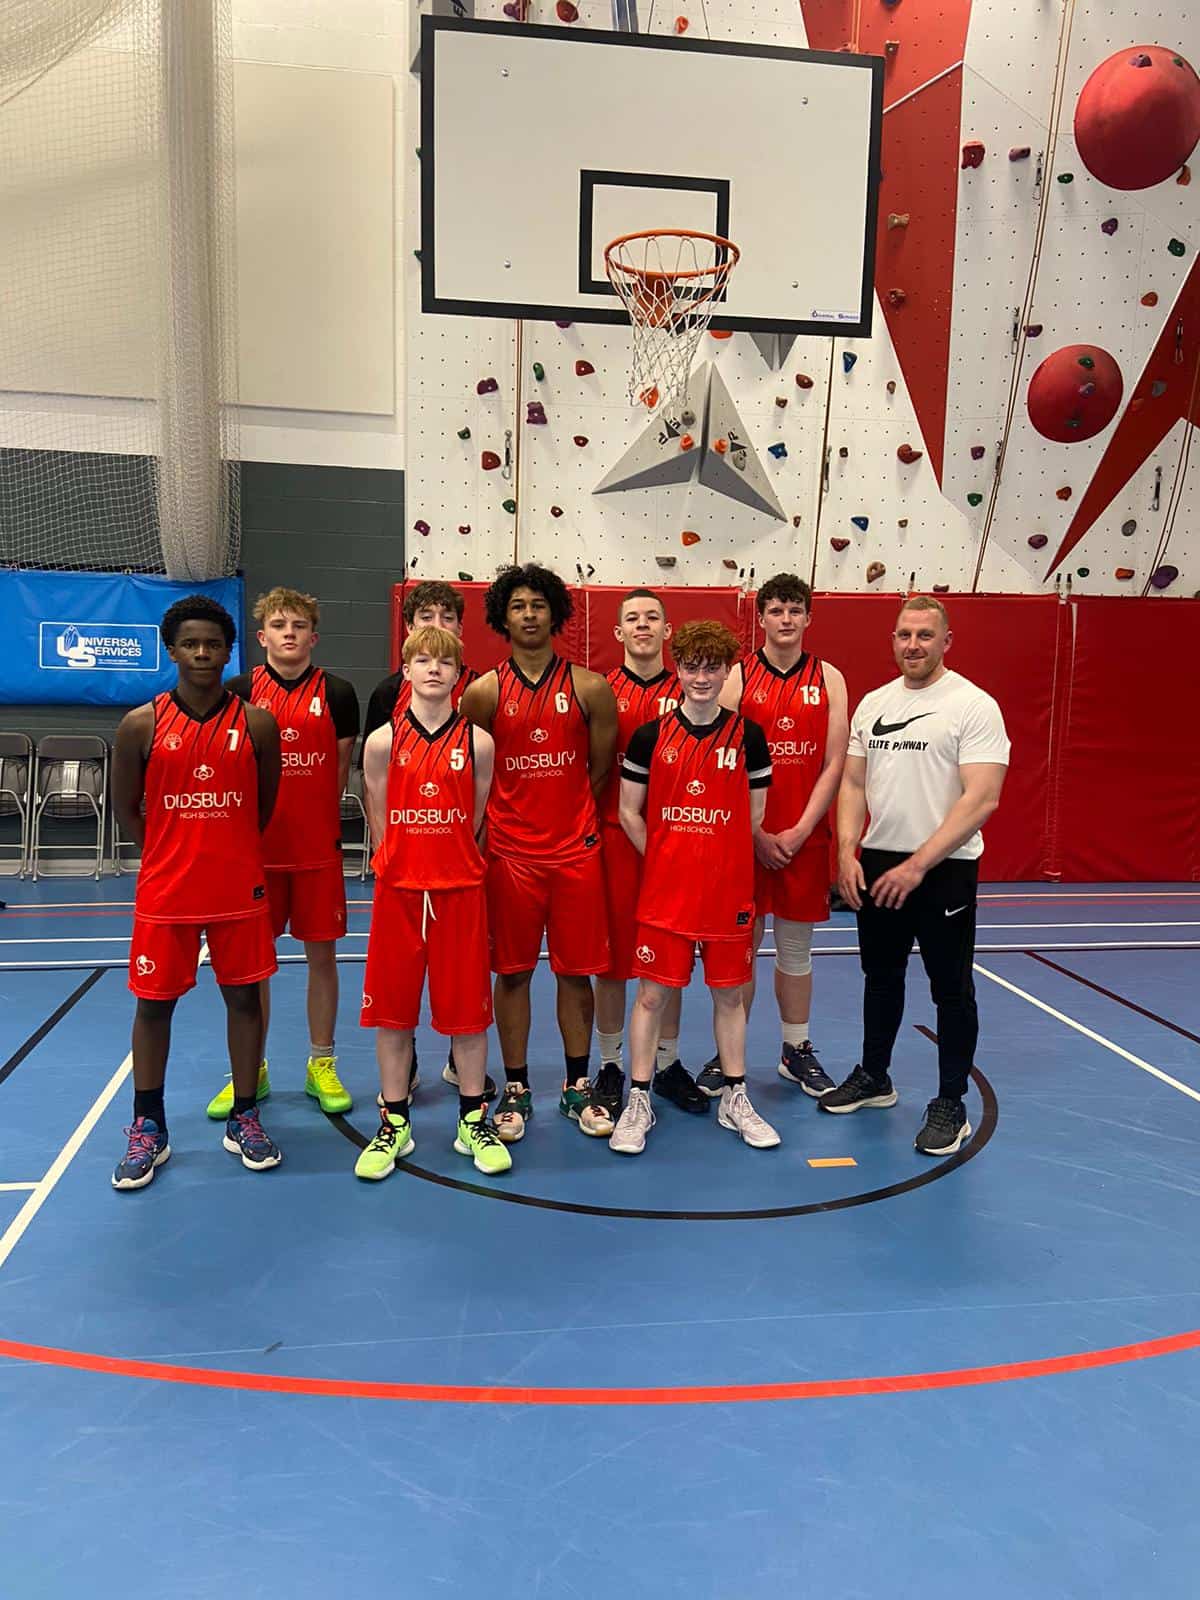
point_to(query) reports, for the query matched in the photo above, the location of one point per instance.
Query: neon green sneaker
(478, 1138)
(220, 1107)
(393, 1141)
(322, 1083)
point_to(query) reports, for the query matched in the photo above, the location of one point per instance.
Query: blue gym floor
(710, 1372)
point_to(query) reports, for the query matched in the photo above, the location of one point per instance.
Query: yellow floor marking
(832, 1161)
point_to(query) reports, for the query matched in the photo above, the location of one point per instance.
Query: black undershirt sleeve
(381, 705)
(758, 756)
(639, 752)
(343, 706)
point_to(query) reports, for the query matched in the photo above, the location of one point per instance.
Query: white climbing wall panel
(1025, 253)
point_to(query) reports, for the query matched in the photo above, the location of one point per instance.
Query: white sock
(317, 1050)
(668, 1051)
(795, 1033)
(610, 1046)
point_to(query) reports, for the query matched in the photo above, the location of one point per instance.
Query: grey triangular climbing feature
(736, 471)
(656, 457)
(774, 348)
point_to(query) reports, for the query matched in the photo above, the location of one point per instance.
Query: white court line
(11, 1188)
(1088, 1033)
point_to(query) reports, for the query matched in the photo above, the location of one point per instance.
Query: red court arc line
(711, 1394)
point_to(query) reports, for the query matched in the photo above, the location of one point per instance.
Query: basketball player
(800, 703)
(426, 605)
(206, 767)
(555, 729)
(317, 717)
(693, 794)
(645, 689)
(928, 757)
(427, 782)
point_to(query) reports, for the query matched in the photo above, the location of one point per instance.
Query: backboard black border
(590, 180)
(616, 316)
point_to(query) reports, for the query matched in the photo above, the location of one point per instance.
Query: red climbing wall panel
(725, 605)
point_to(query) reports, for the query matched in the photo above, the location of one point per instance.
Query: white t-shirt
(915, 740)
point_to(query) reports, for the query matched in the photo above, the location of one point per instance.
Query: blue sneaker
(244, 1137)
(147, 1149)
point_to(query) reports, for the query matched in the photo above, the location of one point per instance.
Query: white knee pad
(793, 947)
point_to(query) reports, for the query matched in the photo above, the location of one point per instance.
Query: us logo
(202, 774)
(173, 742)
(786, 723)
(289, 735)
(644, 953)
(144, 966)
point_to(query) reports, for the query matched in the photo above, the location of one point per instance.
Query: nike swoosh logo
(957, 909)
(882, 727)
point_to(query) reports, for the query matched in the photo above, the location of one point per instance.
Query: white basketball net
(670, 283)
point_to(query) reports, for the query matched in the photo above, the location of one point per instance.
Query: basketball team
(633, 822)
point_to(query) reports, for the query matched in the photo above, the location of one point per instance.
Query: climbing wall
(912, 457)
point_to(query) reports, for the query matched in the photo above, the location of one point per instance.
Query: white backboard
(539, 145)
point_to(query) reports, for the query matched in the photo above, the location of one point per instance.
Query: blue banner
(91, 638)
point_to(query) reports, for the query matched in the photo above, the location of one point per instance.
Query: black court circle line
(975, 1144)
(51, 1022)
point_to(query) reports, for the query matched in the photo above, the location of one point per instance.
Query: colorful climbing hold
(464, 528)
(781, 401)
(566, 12)
(720, 333)
(581, 439)
(556, 511)
(1087, 361)
(688, 538)
(422, 528)
(1064, 493)
(464, 433)
(1086, 390)
(583, 369)
(466, 577)
(1157, 389)
(1163, 577)
(649, 397)
(941, 588)
(896, 297)
(972, 153)
(535, 412)
(797, 521)
(1056, 403)
(510, 506)
(1066, 177)
(861, 523)
(908, 455)
(974, 499)
(1110, 226)
(891, 47)
(1129, 528)
(898, 219)
(665, 561)
(779, 451)
(1037, 541)
(1185, 176)
(891, 386)
(1150, 299)
(1140, 60)
(1137, 128)
(729, 563)
(564, 324)
(903, 522)
(539, 371)
(1083, 572)
(489, 461)
(978, 451)
(1177, 248)
(848, 360)
(486, 386)
(517, 10)
(843, 452)
(688, 418)
(720, 446)
(840, 544)
(1123, 574)
(875, 571)
(803, 381)
(1019, 152)
(1033, 330)
(686, 442)
(681, 26)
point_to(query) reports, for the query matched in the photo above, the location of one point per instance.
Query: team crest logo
(263, 705)
(511, 708)
(760, 697)
(785, 724)
(622, 705)
(695, 787)
(403, 758)
(173, 742)
(289, 735)
(671, 756)
(144, 966)
(645, 954)
(538, 736)
(202, 774)
(367, 1002)
(749, 955)
(429, 790)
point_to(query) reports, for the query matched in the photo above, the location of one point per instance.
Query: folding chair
(354, 812)
(16, 784)
(71, 784)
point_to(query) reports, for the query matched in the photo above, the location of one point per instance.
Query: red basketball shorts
(622, 885)
(439, 935)
(798, 892)
(163, 956)
(668, 958)
(311, 901)
(563, 899)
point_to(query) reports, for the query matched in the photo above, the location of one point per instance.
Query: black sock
(243, 1103)
(468, 1103)
(398, 1108)
(149, 1103)
(517, 1075)
(733, 1083)
(577, 1067)
(640, 1083)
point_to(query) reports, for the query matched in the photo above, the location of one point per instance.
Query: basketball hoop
(670, 280)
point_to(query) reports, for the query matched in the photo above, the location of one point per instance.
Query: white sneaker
(629, 1135)
(736, 1112)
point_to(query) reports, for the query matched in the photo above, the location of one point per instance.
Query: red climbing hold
(720, 446)
(729, 563)
(649, 397)
(1123, 573)
(422, 528)
(803, 381)
(1064, 493)
(908, 455)
(581, 439)
(1037, 541)
(566, 12)
(556, 511)
(1150, 299)
(486, 386)
(896, 297)
(489, 461)
(972, 153)
(464, 528)
(1019, 152)
(681, 26)
(840, 544)
(720, 333)
(1135, 128)
(875, 570)
(1057, 409)
(584, 369)
(1185, 176)
(686, 442)
(941, 588)
(891, 386)
(687, 537)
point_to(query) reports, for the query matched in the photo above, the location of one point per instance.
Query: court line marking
(1090, 1033)
(498, 1394)
(1121, 1000)
(50, 1023)
(12, 1188)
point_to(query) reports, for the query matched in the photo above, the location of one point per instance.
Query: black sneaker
(710, 1080)
(676, 1084)
(946, 1128)
(800, 1065)
(450, 1076)
(608, 1089)
(860, 1089)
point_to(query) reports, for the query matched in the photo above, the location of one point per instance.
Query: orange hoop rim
(650, 275)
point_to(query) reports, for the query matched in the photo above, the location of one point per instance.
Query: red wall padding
(1104, 783)
(1129, 785)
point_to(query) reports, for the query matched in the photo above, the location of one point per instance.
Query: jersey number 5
(727, 757)
(458, 760)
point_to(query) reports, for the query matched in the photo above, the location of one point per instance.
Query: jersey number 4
(314, 706)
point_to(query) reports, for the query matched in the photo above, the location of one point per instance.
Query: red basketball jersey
(429, 840)
(698, 878)
(639, 700)
(404, 693)
(541, 804)
(305, 830)
(202, 859)
(792, 708)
